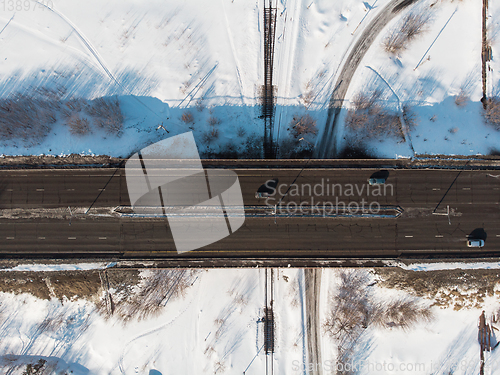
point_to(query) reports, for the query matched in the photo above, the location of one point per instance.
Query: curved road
(326, 147)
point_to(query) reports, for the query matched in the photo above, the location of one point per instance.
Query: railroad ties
(268, 330)
(267, 94)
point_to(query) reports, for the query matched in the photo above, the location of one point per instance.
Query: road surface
(472, 196)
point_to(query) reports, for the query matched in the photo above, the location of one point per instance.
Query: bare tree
(78, 125)
(412, 25)
(368, 119)
(302, 125)
(492, 112)
(107, 115)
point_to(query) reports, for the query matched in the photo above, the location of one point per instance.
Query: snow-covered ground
(207, 59)
(213, 326)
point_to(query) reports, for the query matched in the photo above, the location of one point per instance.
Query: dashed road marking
(465, 188)
(11, 238)
(498, 235)
(408, 236)
(439, 236)
(71, 238)
(9, 189)
(41, 238)
(70, 189)
(40, 189)
(436, 189)
(102, 238)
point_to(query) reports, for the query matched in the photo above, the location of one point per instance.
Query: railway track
(268, 319)
(268, 88)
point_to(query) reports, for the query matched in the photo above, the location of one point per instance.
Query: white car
(261, 194)
(475, 243)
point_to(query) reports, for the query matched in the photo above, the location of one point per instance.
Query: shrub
(210, 136)
(492, 112)
(302, 125)
(410, 117)
(212, 121)
(412, 25)
(156, 289)
(26, 118)
(36, 368)
(241, 131)
(253, 147)
(78, 125)
(187, 118)
(199, 105)
(107, 114)
(462, 98)
(402, 313)
(368, 119)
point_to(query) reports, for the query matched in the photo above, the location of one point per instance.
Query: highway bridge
(68, 212)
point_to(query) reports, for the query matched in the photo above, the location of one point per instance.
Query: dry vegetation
(187, 118)
(492, 112)
(368, 119)
(462, 98)
(35, 369)
(27, 118)
(210, 136)
(212, 121)
(457, 288)
(411, 26)
(78, 125)
(30, 118)
(353, 307)
(241, 132)
(107, 115)
(302, 125)
(153, 292)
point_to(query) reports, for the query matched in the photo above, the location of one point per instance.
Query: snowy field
(198, 66)
(208, 322)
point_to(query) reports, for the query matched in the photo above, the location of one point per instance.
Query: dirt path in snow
(327, 142)
(312, 286)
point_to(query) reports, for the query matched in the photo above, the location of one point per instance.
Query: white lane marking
(101, 189)
(439, 235)
(71, 238)
(436, 189)
(70, 189)
(40, 189)
(102, 238)
(41, 238)
(465, 188)
(9, 189)
(408, 236)
(498, 235)
(11, 238)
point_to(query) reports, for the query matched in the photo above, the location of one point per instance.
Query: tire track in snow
(7, 24)
(97, 56)
(233, 52)
(287, 59)
(327, 142)
(84, 40)
(147, 333)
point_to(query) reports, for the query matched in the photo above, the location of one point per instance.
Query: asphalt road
(472, 196)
